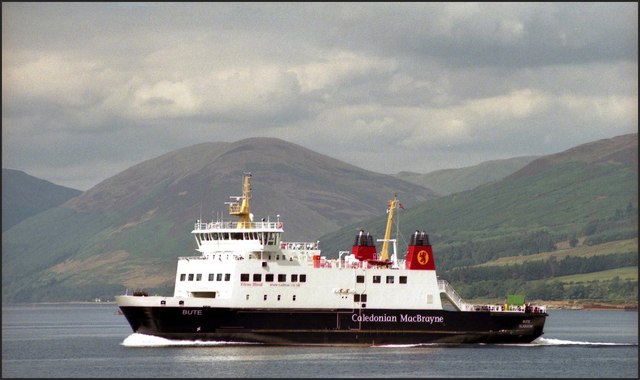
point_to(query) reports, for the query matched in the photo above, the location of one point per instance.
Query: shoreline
(569, 304)
(590, 305)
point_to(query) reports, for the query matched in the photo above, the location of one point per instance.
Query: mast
(384, 252)
(242, 209)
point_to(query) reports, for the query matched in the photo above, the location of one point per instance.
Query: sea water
(94, 340)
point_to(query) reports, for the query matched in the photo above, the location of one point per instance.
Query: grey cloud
(112, 84)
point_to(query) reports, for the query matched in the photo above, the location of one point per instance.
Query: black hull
(334, 327)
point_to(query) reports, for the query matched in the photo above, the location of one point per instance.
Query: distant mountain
(127, 230)
(587, 195)
(305, 187)
(24, 196)
(449, 181)
(618, 150)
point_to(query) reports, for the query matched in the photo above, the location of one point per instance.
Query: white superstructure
(245, 264)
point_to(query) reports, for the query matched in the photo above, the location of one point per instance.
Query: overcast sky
(91, 89)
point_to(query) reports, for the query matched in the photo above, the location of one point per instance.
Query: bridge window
(294, 278)
(360, 279)
(227, 276)
(219, 277)
(182, 277)
(403, 279)
(257, 277)
(244, 277)
(376, 279)
(271, 238)
(268, 277)
(282, 278)
(190, 276)
(198, 276)
(210, 276)
(390, 279)
(303, 278)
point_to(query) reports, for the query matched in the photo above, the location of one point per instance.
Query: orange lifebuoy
(279, 225)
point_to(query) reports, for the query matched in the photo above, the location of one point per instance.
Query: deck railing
(460, 304)
(453, 296)
(299, 245)
(198, 226)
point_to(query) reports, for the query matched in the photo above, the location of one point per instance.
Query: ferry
(247, 285)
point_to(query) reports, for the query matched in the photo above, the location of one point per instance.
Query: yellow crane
(384, 252)
(242, 209)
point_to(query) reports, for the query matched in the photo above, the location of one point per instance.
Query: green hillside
(522, 216)
(598, 267)
(588, 196)
(624, 274)
(629, 245)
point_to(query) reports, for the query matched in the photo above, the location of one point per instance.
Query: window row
(270, 277)
(265, 238)
(378, 279)
(212, 277)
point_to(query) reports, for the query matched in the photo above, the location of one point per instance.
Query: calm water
(76, 340)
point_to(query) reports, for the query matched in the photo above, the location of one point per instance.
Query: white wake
(142, 340)
(559, 342)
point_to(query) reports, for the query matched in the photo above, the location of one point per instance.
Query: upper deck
(237, 236)
(223, 226)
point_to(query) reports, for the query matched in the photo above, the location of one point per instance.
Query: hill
(126, 231)
(587, 195)
(449, 181)
(24, 196)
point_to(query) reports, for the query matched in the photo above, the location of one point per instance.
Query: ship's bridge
(230, 236)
